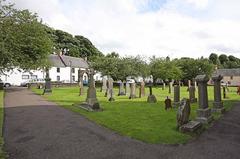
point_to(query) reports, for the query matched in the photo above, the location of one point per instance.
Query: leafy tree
(223, 58)
(23, 40)
(213, 58)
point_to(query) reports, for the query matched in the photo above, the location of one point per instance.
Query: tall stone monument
(127, 88)
(132, 91)
(110, 92)
(1, 85)
(47, 87)
(164, 85)
(176, 99)
(151, 98)
(217, 104)
(104, 85)
(203, 112)
(142, 89)
(192, 97)
(121, 89)
(170, 87)
(91, 103)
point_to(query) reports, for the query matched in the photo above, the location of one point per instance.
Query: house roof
(67, 61)
(228, 72)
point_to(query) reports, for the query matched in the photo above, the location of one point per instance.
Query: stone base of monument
(90, 105)
(193, 100)
(47, 91)
(204, 115)
(218, 107)
(152, 99)
(191, 126)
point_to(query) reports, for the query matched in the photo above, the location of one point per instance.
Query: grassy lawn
(2, 154)
(136, 118)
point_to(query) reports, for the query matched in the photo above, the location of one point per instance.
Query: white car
(5, 84)
(130, 81)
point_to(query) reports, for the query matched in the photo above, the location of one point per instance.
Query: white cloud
(119, 26)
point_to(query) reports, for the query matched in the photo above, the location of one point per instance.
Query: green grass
(136, 118)
(2, 153)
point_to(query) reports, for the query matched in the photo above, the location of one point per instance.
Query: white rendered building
(63, 69)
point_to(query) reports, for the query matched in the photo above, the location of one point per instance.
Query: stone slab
(191, 126)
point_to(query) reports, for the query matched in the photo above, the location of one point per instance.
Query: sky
(175, 28)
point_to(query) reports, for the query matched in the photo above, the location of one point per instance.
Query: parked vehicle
(130, 81)
(5, 84)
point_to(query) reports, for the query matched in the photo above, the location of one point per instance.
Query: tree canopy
(23, 40)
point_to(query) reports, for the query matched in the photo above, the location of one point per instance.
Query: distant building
(230, 76)
(63, 69)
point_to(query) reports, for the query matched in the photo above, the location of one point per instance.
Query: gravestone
(164, 85)
(110, 92)
(189, 84)
(121, 89)
(224, 92)
(127, 89)
(170, 85)
(203, 112)
(47, 87)
(80, 79)
(104, 85)
(168, 103)
(151, 97)
(183, 112)
(132, 91)
(142, 89)
(217, 104)
(91, 103)
(192, 97)
(176, 99)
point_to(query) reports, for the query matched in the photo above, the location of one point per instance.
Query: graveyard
(136, 118)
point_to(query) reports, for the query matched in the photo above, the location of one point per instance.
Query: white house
(63, 69)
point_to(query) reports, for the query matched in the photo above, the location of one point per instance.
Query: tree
(223, 58)
(213, 58)
(23, 40)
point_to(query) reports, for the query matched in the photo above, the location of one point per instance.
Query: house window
(231, 77)
(73, 78)
(58, 69)
(34, 76)
(25, 76)
(58, 78)
(73, 70)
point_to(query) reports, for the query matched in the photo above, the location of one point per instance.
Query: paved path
(37, 129)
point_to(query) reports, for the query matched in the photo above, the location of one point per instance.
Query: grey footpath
(38, 129)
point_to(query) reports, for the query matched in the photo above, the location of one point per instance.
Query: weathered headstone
(168, 103)
(176, 99)
(170, 85)
(192, 97)
(189, 84)
(142, 89)
(127, 89)
(91, 103)
(183, 112)
(164, 85)
(203, 112)
(121, 89)
(132, 91)
(104, 85)
(151, 97)
(110, 89)
(47, 87)
(238, 90)
(224, 92)
(217, 104)
(80, 79)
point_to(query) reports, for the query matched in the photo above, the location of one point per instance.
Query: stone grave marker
(203, 112)
(91, 103)
(176, 98)
(217, 104)
(164, 85)
(80, 79)
(142, 89)
(168, 103)
(192, 97)
(110, 92)
(183, 112)
(48, 86)
(151, 97)
(121, 89)
(224, 92)
(132, 91)
(170, 85)
(127, 88)
(238, 90)
(104, 85)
